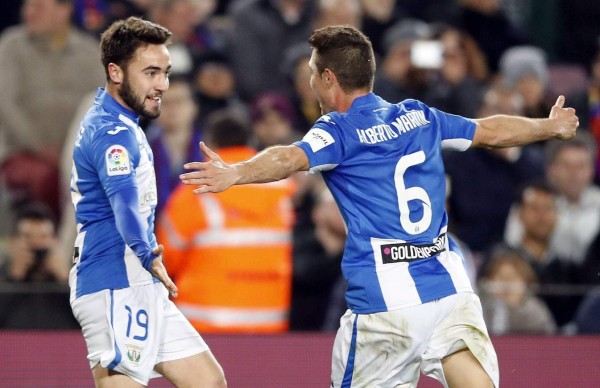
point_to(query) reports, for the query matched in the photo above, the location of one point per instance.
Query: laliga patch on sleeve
(318, 139)
(117, 161)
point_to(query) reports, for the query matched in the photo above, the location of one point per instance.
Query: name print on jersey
(383, 132)
(117, 161)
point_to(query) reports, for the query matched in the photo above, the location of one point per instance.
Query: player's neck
(343, 101)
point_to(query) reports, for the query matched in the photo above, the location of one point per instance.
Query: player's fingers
(202, 190)
(560, 101)
(208, 152)
(158, 250)
(173, 291)
(194, 166)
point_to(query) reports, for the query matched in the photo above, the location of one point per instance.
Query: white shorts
(130, 330)
(388, 349)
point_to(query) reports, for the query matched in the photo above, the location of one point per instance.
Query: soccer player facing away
(410, 303)
(119, 285)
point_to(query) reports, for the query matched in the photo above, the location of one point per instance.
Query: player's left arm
(508, 131)
(272, 164)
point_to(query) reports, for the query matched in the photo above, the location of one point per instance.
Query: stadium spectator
(398, 78)
(42, 84)
(273, 121)
(479, 17)
(524, 68)
(587, 104)
(509, 305)
(570, 171)
(459, 84)
(230, 253)
(38, 297)
(173, 137)
(485, 182)
(214, 84)
(558, 278)
(267, 27)
(304, 103)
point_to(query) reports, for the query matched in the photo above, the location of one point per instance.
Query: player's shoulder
(411, 104)
(106, 125)
(330, 119)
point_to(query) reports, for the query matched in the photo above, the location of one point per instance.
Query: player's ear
(328, 76)
(115, 73)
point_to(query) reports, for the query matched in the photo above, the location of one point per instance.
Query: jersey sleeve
(115, 159)
(457, 131)
(322, 145)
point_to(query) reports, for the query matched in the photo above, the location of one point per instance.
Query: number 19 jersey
(382, 162)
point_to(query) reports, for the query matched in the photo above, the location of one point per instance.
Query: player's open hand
(159, 270)
(565, 118)
(213, 176)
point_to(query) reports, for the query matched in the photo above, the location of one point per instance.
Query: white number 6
(410, 194)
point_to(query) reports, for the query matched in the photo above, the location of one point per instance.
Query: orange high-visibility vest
(230, 254)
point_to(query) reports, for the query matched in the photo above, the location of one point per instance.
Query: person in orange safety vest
(230, 253)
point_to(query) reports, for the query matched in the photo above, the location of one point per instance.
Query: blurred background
(527, 218)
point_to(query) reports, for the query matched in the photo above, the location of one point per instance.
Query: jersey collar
(365, 101)
(111, 105)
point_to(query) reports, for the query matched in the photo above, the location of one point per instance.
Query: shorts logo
(398, 252)
(318, 139)
(134, 353)
(117, 161)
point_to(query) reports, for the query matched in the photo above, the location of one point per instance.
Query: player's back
(383, 165)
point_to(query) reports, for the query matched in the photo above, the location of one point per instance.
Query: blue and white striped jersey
(383, 164)
(113, 189)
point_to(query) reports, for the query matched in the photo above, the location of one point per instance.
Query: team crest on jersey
(134, 353)
(318, 139)
(117, 161)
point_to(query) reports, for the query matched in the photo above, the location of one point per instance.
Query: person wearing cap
(524, 68)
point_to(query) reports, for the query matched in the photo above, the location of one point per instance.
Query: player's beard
(135, 102)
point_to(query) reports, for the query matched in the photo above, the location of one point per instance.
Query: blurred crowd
(527, 218)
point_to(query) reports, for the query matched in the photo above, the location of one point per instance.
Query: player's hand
(213, 176)
(565, 119)
(159, 270)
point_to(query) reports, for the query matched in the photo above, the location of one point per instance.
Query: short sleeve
(322, 145)
(457, 132)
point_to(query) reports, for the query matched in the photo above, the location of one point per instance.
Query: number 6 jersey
(383, 164)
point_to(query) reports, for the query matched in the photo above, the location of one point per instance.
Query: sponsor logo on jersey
(398, 252)
(318, 139)
(134, 353)
(117, 161)
(117, 129)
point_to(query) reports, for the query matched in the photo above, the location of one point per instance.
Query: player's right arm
(508, 131)
(272, 164)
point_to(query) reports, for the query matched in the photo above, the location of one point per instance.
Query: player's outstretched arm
(272, 164)
(508, 131)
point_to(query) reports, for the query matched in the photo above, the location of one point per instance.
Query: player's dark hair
(120, 41)
(348, 53)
